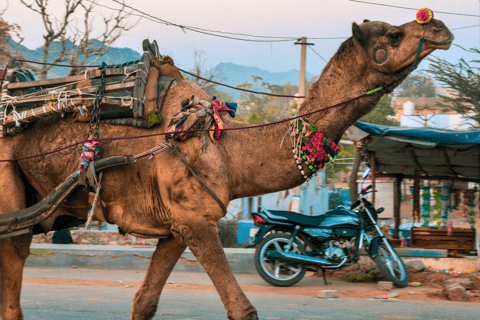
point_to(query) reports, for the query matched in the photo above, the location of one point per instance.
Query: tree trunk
(397, 200)
(354, 175)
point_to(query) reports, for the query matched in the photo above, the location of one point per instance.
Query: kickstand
(324, 276)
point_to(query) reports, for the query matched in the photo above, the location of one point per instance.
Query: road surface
(50, 293)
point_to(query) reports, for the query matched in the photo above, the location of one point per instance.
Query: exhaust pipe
(293, 257)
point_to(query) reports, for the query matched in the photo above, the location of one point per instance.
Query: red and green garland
(312, 147)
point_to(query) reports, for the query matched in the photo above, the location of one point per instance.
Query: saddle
(130, 93)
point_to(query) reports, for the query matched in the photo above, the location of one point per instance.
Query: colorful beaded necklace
(311, 147)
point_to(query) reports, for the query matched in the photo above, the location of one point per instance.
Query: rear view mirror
(366, 173)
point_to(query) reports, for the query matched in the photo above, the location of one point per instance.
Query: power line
(198, 30)
(212, 32)
(392, 6)
(318, 54)
(477, 25)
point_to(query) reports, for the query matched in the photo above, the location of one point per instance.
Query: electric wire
(209, 32)
(318, 54)
(267, 38)
(212, 32)
(416, 9)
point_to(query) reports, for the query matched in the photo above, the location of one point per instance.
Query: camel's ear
(366, 20)
(358, 34)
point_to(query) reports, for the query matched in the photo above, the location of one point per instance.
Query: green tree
(463, 78)
(416, 85)
(332, 168)
(380, 115)
(262, 108)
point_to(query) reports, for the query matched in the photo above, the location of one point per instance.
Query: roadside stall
(438, 161)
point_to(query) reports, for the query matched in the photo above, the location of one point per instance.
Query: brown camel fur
(161, 198)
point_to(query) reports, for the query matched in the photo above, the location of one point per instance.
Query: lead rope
(92, 146)
(214, 196)
(91, 212)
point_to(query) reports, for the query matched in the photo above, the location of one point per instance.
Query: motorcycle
(288, 243)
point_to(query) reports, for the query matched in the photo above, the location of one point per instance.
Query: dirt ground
(432, 285)
(430, 289)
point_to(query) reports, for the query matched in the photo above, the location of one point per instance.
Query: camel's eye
(395, 36)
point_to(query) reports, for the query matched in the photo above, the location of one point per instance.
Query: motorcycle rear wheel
(391, 266)
(278, 273)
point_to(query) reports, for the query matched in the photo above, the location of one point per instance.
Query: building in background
(426, 113)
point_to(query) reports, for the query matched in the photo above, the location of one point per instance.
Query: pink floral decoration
(424, 15)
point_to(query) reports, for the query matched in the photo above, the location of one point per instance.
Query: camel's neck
(261, 163)
(344, 79)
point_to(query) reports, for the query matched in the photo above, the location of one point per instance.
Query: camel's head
(389, 49)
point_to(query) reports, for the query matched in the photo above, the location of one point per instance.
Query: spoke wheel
(391, 266)
(275, 272)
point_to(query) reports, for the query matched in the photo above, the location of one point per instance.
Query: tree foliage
(382, 114)
(333, 168)
(7, 31)
(416, 85)
(66, 40)
(264, 108)
(463, 78)
(200, 70)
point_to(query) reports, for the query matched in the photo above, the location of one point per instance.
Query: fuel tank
(340, 217)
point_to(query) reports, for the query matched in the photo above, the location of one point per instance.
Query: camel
(161, 198)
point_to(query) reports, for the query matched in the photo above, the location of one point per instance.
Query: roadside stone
(385, 285)
(324, 294)
(475, 278)
(414, 266)
(464, 282)
(455, 292)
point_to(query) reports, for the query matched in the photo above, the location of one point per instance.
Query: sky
(281, 18)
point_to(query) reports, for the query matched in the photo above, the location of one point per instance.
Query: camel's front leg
(202, 238)
(164, 258)
(13, 251)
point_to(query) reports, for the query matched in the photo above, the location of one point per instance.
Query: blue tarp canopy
(436, 153)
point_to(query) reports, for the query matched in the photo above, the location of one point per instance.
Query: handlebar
(367, 190)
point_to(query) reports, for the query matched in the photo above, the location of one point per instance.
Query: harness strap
(214, 196)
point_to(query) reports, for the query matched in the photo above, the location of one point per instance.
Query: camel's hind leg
(202, 238)
(164, 258)
(13, 251)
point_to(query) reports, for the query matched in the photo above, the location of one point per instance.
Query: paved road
(50, 300)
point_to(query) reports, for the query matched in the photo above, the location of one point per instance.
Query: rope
(218, 83)
(57, 65)
(240, 89)
(185, 131)
(214, 196)
(370, 92)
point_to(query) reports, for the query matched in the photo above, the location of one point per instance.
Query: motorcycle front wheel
(275, 272)
(391, 266)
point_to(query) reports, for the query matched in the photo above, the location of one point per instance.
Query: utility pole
(295, 204)
(303, 59)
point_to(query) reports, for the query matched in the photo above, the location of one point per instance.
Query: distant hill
(115, 56)
(235, 74)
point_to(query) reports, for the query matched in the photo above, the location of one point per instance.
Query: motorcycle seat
(293, 217)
